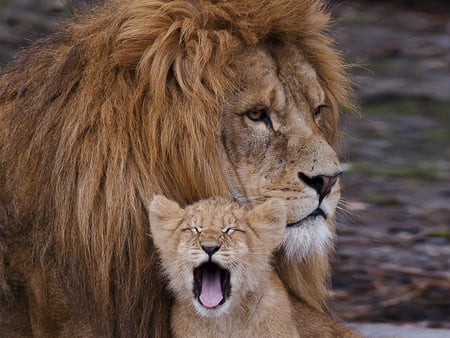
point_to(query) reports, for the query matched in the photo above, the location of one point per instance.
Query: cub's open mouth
(211, 284)
(316, 213)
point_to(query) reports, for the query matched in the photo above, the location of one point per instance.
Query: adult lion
(186, 98)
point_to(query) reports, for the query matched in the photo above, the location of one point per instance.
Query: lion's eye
(228, 231)
(258, 115)
(318, 110)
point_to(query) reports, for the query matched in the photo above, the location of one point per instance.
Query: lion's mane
(123, 103)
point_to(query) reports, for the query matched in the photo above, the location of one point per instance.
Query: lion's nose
(321, 183)
(210, 250)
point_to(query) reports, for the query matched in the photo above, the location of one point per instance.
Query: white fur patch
(311, 237)
(216, 312)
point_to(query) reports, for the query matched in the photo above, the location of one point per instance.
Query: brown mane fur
(124, 103)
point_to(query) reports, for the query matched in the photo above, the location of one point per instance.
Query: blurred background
(393, 252)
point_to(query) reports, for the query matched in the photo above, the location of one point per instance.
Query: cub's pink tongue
(211, 292)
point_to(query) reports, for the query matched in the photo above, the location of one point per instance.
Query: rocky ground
(393, 251)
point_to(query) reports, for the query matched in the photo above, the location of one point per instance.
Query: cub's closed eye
(194, 230)
(228, 231)
(258, 115)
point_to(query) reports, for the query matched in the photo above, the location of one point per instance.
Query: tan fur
(258, 305)
(137, 98)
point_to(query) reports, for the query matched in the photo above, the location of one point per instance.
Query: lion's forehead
(299, 75)
(279, 78)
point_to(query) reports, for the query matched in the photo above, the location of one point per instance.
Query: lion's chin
(312, 216)
(312, 237)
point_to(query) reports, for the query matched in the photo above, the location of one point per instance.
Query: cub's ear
(269, 221)
(165, 216)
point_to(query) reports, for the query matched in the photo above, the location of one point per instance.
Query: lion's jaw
(270, 152)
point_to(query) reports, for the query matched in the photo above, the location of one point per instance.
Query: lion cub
(217, 257)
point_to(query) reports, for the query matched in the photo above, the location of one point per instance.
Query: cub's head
(214, 252)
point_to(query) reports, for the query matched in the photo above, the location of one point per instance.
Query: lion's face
(215, 251)
(273, 133)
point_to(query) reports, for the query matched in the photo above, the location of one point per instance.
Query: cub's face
(214, 252)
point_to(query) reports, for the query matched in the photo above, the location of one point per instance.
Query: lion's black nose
(210, 250)
(321, 183)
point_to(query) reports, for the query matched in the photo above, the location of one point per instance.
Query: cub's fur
(217, 256)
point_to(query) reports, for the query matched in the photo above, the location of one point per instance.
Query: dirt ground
(393, 252)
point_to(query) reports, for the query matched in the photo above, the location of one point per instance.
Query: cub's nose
(321, 183)
(210, 250)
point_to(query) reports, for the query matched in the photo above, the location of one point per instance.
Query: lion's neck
(257, 314)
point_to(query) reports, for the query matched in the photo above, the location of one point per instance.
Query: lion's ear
(165, 216)
(269, 221)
